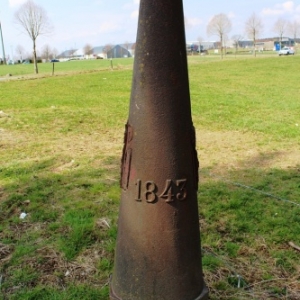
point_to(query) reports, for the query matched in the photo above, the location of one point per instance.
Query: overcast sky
(99, 22)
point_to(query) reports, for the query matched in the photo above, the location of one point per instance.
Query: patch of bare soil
(249, 277)
(2, 194)
(55, 271)
(54, 268)
(5, 252)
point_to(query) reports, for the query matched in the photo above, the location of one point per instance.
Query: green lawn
(61, 138)
(65, 66)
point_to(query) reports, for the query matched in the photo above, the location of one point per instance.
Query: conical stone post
(158, 252)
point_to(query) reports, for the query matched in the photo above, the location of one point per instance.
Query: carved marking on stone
(172, 191)
(195, 160)
(126, 156)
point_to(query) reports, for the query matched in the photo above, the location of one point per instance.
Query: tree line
(220, 25)
(33, 20)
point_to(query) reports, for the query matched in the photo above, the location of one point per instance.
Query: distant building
(67, 54)
(268, 44)
(118, 52)
(98, 52)
(108, 51)
(128, 49)
(79, 54)
(193, 46)
(245, 44)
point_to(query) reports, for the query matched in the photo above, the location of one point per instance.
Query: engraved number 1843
(173, 190)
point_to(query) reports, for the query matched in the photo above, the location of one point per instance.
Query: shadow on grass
(63, 248)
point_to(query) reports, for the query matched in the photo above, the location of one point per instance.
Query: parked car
(286, 51)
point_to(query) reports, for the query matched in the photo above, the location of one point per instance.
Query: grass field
(61, 138)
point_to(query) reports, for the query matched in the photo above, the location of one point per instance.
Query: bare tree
(236, 41)
(54, 53)
(126, 45)
(3, 48)
(225, 42)
(200, 40)
(253, 28)
(72, 52)
(280, 28)
(107, 48)
(46, 52)
(219, 25)
(33, 20)
(294, 30)
(133, 46)
(20, 52)
(88, 49)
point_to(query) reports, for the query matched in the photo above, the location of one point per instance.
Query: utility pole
(3, 51)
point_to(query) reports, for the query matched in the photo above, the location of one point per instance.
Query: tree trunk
(221, 38)
(34, 58)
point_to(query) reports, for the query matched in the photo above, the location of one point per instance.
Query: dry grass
(226, 150)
